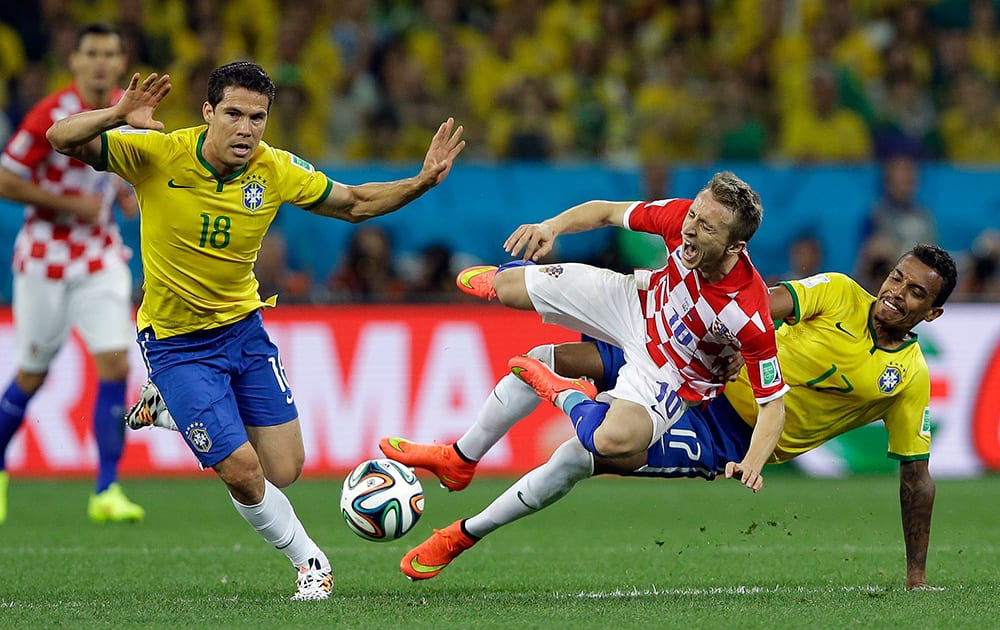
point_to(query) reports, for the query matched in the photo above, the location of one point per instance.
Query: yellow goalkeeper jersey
(200, 233)
(839, 378)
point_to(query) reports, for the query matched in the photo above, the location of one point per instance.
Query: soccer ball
(381, 500)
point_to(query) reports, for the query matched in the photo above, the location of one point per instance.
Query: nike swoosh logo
(171, 184)
(417, 566)
(394, 442)
(516, 371)
(288, 399)
(469, 275)
(840, 327)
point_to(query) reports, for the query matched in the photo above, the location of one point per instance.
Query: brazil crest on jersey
(839, 378)
(201, 233)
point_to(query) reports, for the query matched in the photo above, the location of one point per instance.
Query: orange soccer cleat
(545, 382)
(478, 281)
(430, 557)
(443, 460)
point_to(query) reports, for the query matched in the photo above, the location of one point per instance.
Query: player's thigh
(280, 450)
(41, 321)
(100, 309)
(597, 302)
(580, 359)
(267, 406)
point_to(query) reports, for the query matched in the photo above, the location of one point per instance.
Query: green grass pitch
(619, 553)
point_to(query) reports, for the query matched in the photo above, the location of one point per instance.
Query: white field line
(653, 591)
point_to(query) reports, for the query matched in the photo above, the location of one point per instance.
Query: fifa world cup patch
(553, 270)
(770, 372)
(197, 435)
(305, 166)
(925, 426)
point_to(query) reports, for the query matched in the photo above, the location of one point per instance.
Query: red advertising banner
(421, 372)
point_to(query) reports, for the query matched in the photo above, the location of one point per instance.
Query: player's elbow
(56, 139)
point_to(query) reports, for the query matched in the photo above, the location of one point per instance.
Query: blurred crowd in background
(644, 82)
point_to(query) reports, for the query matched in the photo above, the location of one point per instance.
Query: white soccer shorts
(605, 305)
(98, 306)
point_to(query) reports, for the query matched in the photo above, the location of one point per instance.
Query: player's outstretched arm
(916, 502)
(77, 135)
(536, 240)
(770, 422)
(366, 201)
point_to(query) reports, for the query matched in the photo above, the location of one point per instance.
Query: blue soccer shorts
(699, 444)
(216, 381)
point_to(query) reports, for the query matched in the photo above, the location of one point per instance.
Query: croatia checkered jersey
(52, 244)
(691, 324)
(201, 232)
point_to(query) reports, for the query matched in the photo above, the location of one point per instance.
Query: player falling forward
(207, 196)
(849, 358)
(676, 325)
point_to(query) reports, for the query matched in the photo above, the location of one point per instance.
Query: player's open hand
(445, 147)
(748, 476)
(140, 100)
(535, 239)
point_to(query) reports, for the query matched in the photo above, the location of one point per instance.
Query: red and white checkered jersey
(691, 324)
(53, 244)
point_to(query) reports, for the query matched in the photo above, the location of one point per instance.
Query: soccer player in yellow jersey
(207, 195)
(849, 358)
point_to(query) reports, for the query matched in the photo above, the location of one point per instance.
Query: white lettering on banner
(345, 409)
(456, 379)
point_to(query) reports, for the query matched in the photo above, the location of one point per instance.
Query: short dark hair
(735, 194)
(96, 28)
(943, 265)
(244, 74)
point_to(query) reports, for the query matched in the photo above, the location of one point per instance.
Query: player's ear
(207, 111)
(736, 247)
(934, 313)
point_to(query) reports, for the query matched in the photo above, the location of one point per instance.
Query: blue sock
(109, 431)
(586, 415)
(12, 407)
(514, 263)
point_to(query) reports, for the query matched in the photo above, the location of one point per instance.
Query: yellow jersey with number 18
(200, 233)
(839, 378)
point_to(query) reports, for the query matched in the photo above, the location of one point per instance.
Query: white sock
(275, 520)
(510, 401)
(539, 488)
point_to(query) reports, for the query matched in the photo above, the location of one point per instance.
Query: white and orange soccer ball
(382, 500)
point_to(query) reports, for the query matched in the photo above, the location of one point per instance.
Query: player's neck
(94, 99)
(715, 273)
(889, 338)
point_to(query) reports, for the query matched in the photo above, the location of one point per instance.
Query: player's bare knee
(511, 290)
(242, 473)
(112, 366)
(613, 443)
(284, 474)
(30, 382)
